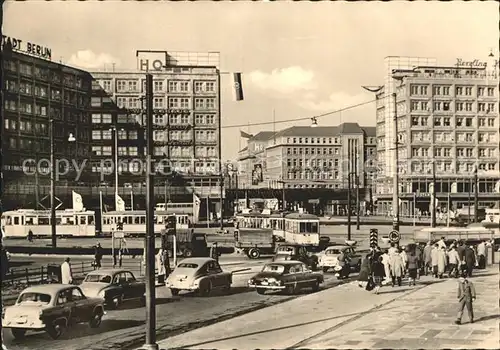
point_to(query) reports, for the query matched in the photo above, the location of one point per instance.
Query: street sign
(119, 235)
(394, 236)
(373, 237)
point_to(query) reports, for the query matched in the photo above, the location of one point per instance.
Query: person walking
(481, 255)
(393, 249)
(441, 243)
(30, 236)
(98, 255)
(412, 266)
(378, 272)
(404, 256)
(160, 265)
(365, 271)
(435, 260)
(428, 258)
(470, 260)
(387, 267)
(466, 296)
(441, 254)
(397, 269)
(454, 261)
(66, 273)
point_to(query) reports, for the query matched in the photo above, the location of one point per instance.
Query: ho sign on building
(151, 61)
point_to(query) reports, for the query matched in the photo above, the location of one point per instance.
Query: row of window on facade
(469, 152)
(185, 135)
(138, 166)
(175, 151)
(172, 102)
(40, 109)
(45, 74)
(183, 119)
(482, 107)
(30, 89)
(43, 146)
(437, 90)
(456, 122)
(308, 175)
(447, 137)
(181, 86)
(37, 128)
(321, 140)
(312, 150)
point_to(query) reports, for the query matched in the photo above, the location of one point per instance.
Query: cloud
(336, 100)
(89, 60)
(284, 80)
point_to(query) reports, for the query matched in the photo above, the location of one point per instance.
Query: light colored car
(114, 286)
(198, 274)
(51, 307)
(329, 258)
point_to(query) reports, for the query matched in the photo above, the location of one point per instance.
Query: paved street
(174, 315)
(349, 317)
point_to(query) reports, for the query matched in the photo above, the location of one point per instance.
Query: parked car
(114, 286)
(329, 258)
(198, 274)
(51, 307)
(288, 276)
(306, 254)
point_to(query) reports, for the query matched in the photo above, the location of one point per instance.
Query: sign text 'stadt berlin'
(27, 47)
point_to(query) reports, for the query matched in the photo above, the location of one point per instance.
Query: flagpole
(131, 200)
(448, 212)
(100, 204)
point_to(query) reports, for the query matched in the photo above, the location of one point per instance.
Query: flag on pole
(77, 201)
(245, 135)
(119, 203)
(238, 87)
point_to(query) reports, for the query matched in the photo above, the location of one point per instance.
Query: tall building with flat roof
(446, 116)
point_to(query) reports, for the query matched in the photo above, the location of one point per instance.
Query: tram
(69, 223)
(302, 229)
(134, 222)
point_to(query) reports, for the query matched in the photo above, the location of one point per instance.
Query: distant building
(304, 157)
(447, 115)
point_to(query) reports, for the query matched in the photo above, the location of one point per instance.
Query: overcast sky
(300, 59)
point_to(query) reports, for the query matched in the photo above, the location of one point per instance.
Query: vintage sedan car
(51, 307)
(288, 276)
(198, 274)
(329, 258)
(304, 253)
(114, 286)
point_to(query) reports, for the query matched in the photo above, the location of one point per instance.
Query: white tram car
(69, 223)
(134, 222)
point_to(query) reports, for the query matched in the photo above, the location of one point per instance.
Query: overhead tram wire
(303, 118)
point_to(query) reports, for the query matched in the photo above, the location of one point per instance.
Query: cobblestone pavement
(424, 319)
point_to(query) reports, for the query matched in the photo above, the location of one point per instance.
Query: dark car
(306, 254)
(288, 276)
(114, 286)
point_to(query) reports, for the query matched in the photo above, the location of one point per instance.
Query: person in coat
(412, 266)
(387, 267)
(98, 255)
(378, 272)
(441, 261)
(365, 271)
(470, 260)
(404, 256)
(466, 295)
(160, 265)
(397, 268)
(434, 260)
(481, 255)
(427, 258)
(454, 261)
(66, 273)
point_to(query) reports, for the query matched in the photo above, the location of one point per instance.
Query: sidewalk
(350, 317)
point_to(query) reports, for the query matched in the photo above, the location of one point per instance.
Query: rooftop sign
(153, 60)
(475, 63)
(26, 47)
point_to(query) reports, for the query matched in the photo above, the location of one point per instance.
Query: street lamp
(114, 132)
(71, 138)
(314, 122)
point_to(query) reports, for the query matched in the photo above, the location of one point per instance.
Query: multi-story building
(186, 121)
(36, 91)
(309, 157)
(447, 125)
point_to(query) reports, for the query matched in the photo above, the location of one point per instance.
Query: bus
(134, 222)
(451, 233)
(69, 223)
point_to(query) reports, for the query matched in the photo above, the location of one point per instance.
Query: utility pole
(469, 200)
(433, 195)
(221, 176)
(52, 186)
(395, 187)
(150, 234)
(357, 202)
(476, 195)
(349, 189)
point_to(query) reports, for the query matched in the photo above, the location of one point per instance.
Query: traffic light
(119, 226)
(171, 224)
(373, 237)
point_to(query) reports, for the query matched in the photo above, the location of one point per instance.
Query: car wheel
(254, 253)
(57, 329)
(206, 289)
(325, 269)
(187, 253)
(261, 290)
(174, 291)
(18, 333)
(96, 319)
(315, 286)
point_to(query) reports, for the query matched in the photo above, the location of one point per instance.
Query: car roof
(337, 247)
(199, 261)
(47, 288)
(107, 271)
(286, 262)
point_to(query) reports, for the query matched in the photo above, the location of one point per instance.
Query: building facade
(447, 127)
(36, 91)
(186, 124)
(310, 158)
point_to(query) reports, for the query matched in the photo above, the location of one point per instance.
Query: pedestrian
(461, 249)
(427, 257)
(397, 269)
(481, 255)
(435, 259)
(454, 261)
(160, 265)
(66, 273)
(393, 249)
(378, 272)
(412, 265)
(470, 260)
(30, 236)
(441, 253)
(343, 263)
(98, 255)
(387, 267)
(466, 296)
(404, 256)
(365, 271)
(441, 243)
(4, 263)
